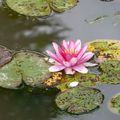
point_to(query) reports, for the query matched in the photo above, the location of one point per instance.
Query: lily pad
(10, 76)
(79, 100)
(105, 49)
(5, 55)
(114, 104)
(103, 45)
(62, 5)
(30, 7)
(108, 55)
(33, 67)
(87, 80)
(25, 66)
(110, 72)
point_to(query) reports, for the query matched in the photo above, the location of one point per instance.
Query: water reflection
(20, 32)
(29, 33)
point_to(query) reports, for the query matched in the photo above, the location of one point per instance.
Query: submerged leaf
(79, 100)
(30, 7)
(114, 104)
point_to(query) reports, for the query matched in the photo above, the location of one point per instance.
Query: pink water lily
(70, 57)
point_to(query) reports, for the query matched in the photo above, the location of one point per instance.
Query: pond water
(91, 19)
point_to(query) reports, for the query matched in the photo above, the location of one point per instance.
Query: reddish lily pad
(5, 55)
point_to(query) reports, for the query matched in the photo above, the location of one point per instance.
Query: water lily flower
(70, 57)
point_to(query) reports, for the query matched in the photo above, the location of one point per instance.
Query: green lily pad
(5, 55)
(30, 7)
(79, 100)
(25, 66)
(114, 104)
(105, 49)
(33, 67)
(86, 80)
(110, 72)
(10, 76)
(108, 55)
(62, 5)
(103, 45)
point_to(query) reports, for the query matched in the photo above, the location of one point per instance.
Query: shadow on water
(27, 32)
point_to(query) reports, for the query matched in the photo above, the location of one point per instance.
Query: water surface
(19, 32)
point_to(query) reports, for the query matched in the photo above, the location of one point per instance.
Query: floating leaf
(5, 55)
(86, 80)
(30, 7)
(62, 5)
(33, 67)
(55, 79)
(110, 72)
(103, 45)
(105, 49)
(114, 104)
(28, 66)
(10, 76)
(79, 100)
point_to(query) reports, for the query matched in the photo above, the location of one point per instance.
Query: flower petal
(73, 61)
(66, 64)
(53, 56)
(72, 44)
(88, 64)
(64, 44)
(57, 50)
(81, 69)
(56, 68)
(78, 46)
(69, 71)
(73, 84)
(87, 56)
(82, 51)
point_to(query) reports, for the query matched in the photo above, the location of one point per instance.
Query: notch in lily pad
(79, 100)
(26, 66)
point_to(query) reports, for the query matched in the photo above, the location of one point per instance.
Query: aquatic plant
(114, 104)
(27, 66)
(79, 100)
(70, 57)
(110, 72)
(40, 7)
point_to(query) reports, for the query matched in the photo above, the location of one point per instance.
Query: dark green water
(19, 32)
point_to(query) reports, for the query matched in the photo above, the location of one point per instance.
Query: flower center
(70, 51)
